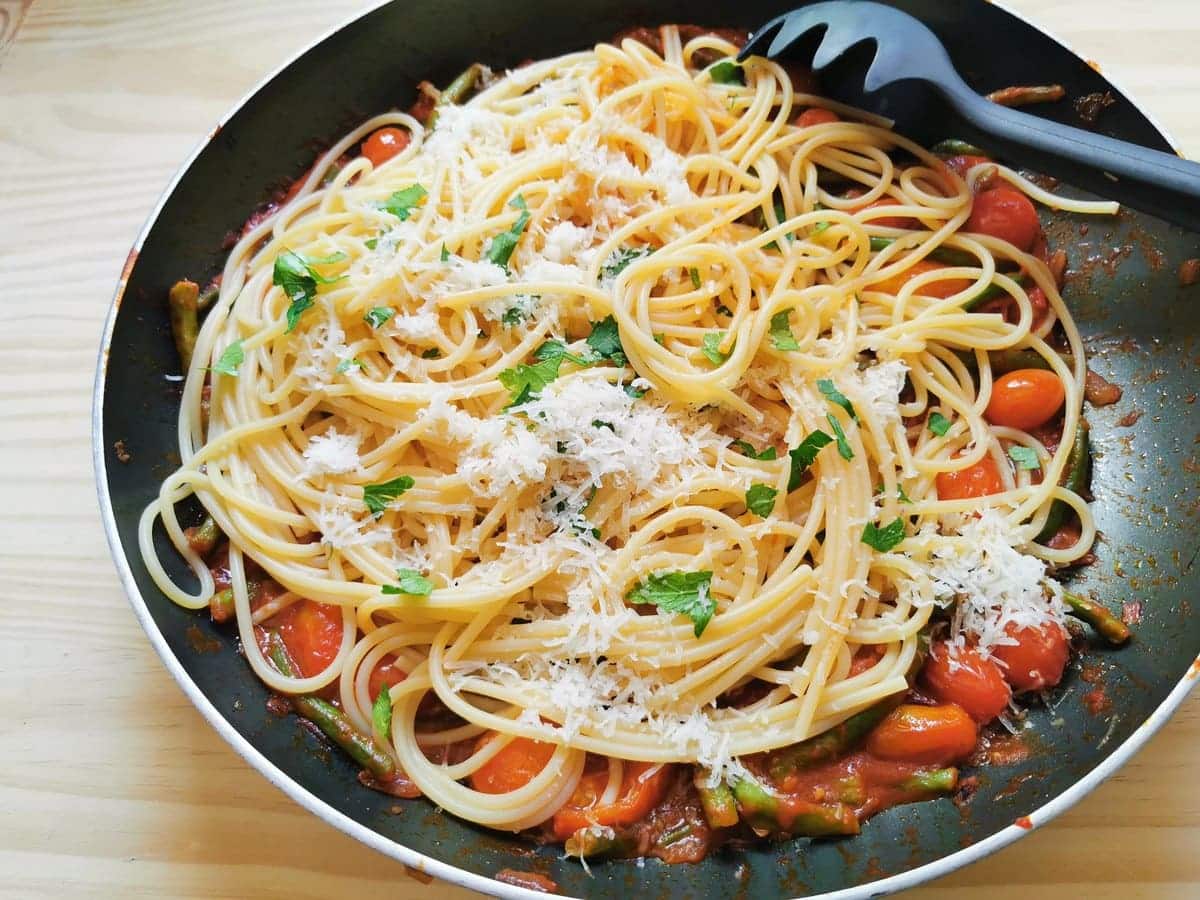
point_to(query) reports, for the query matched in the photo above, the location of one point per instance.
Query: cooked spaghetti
(627, 416)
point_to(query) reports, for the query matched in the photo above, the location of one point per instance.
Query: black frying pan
(1142, 328)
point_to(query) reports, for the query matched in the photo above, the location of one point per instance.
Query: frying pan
(1140, 324)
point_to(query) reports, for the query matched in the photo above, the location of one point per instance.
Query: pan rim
(428, 864)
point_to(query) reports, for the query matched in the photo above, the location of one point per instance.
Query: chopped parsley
(444, 256)
(781, 332)
(378, 496)
(695, 276)
(556, 349)
(710, 346)
(411, 582)
(679, 592)
(513, 316)
(727, 72)
(432, 353)
(1024, 457)
(843, 445)
(635, 392)
(938, 424)
(760, 499)
(381, 715)
(885, 538)
(347, 364)
(805, 455)
(500, 250)
(723, 310)
(747, 449)
(231, 357)
(620, 259)
(526, 382)
(605, 340)
(900, 495)
(299, 278)
(404, 201)
(377, 315)
(833, 395)
(371, 243)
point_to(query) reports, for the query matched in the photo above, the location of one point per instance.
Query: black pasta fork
(908, 54)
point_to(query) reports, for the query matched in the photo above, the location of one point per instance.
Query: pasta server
(907, 67)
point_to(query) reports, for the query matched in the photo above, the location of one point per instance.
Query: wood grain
(110, 783)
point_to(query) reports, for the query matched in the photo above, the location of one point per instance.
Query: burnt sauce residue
(200, 642)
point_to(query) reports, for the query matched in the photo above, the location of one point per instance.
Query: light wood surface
(111, 785)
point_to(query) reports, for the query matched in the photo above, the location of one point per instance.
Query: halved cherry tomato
(385, 143)
(1038, 658)
(643, 785)
(931, 735)
(964, 164)
(516, 764)
(942, 289)
(890, 221)
(1006, 214)
(1025, 399)
(311, 631)
(815, 115)
(966, 678)
(387, 672)
(979, 480)
(865, 658)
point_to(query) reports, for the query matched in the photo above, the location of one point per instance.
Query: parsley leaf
(377, 496)
(299, 279)
(805, 455)
(347, 364)
(445, 254)
(381, 715)
(605, 340)
(747, 448)
(502, 246)
(371, 243)
(404, 201)
(556, 349)
(432, 353)
(938, 424)
(634, 392)
(1024, 457)
(679, 592)
(412, 583)
(843, 445)
(833, 395)
(526, 382)
(711, 347)
(621, 258)
(723, 310)
(377, 315)
(760, 499)
(513, 316)
(727, 72)
(231, 357)
(885, 538)
(781, 332)
(695, 276)
(900, 495)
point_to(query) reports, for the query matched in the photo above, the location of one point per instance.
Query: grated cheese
(331, 453)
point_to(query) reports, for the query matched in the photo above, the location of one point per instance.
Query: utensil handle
(1155, 182)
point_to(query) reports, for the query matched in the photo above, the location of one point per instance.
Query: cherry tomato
(865, 658)
(931, 735)
(311, 631)
(964, 164)
(643, 785)
(942, 289)
(891, 221)
(979, 480)
(1038, 658)
(1025, 399)
(516, 764)
(387, 672)
(966, 678)
(385, 143)
(815, 115)
(1006, 214)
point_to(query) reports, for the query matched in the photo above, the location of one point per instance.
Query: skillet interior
(1139, 323)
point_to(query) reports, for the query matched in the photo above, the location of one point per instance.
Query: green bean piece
(948, 255)
(992, 291)
(597, 840)
(953, 147)
(720, 808)
(1105, 624)
(331, 720)
(931, 782)
(457, 91)
(204, 537)
(829, 745)
(763, 811)
(221, 607)
(183, 304)
(1079, 463)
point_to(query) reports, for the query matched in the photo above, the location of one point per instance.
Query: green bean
(953, 147)
(763, 811)
(951, 256)
(932, 782)
(331, 720)
(204, 537)
(720, 808)
(992, 291)
(457, 91)
(1078, 465)
(183, 306)
(597, 840)
(1105, 624)
(828, 745)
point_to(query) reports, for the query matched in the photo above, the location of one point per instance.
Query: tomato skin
(1025, 399)
(931, 735)
(385, 143)
(980, 480)
(311, 631)
(387, 672)
(1038, 658)
(815, 115)
(890, 221)
(961, 165)
(513, 767)
(640, 793)
(976, 684)
(947, 287)
(1007, 214)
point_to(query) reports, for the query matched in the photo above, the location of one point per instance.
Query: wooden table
(111, 785)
